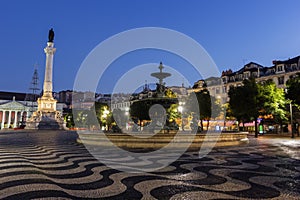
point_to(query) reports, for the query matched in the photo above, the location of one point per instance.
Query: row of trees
(263, 100)
(253, 100)
(202, 106)
(97, 115)
(139, 110)
(247, 103)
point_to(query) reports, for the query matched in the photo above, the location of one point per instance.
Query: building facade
(280, 72)
(15, 110)
(13, 113)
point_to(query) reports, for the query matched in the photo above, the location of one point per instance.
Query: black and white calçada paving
(52, 165)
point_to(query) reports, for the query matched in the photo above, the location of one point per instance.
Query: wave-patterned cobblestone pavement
(48, 164)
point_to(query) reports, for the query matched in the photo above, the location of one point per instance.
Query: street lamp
(126, 111)
(104, 116)
(180, 109)
(84, 119)
(291, 112)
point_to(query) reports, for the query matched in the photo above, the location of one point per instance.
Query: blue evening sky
(233, 32)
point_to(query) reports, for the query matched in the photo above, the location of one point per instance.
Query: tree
(69, 120)
(173, 113)
(79, 118)
(109, 120)
(227, 113)
(293, 90)
(236, 104)
(100, 108)
(84, 118)
(209, 106)
(140, 110)
(252, 100)
(217, 108)
(293, 94)
(203, 106)
(120, 118)
(170, 94)
(272, 101)
(204, 102)
(103, 114)
(243, 102)
(90, 118)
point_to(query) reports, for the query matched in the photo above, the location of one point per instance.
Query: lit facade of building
(15, 110)
(280, 72)
(13, 113)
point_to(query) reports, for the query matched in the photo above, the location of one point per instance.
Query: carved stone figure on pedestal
(160, 89)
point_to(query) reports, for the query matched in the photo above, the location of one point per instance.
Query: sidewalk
(275, 135)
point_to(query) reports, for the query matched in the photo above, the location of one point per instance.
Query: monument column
(47, 103)
(47, 117)
(49, 51)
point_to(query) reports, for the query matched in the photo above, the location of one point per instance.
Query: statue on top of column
(51, 35)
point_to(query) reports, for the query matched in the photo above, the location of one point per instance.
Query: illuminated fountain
(160, 76)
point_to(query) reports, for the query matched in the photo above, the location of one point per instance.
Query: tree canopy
(140, 109)
(243, 102)
(293, 94)
(293, 90)
(272, 101)
(207, 106)
(251, 100)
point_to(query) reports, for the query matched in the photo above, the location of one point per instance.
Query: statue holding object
(51, 35)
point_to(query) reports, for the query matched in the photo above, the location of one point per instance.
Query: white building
(15, 111)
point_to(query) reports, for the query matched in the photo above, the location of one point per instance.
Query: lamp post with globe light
(127, 117)
(291, 113)
(104, 116)
(180, 109)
